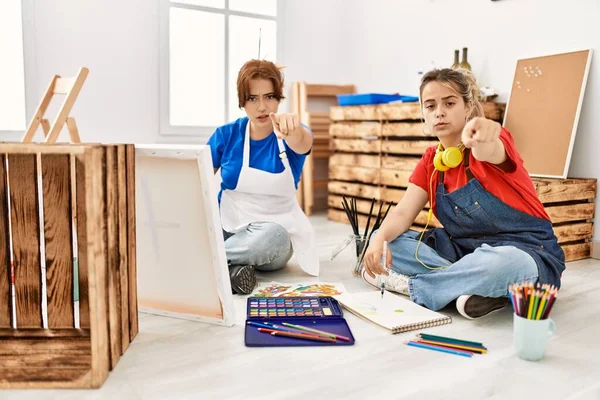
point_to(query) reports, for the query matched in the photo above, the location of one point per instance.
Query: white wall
(118, 42)
(313, 44)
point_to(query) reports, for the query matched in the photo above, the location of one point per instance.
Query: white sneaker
(393, 282)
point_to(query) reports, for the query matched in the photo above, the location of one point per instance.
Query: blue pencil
(272, 326)
(424, 346)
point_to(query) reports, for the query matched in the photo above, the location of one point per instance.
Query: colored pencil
(542, 306)
(302, 336)
(450, 340)
(289, 329)
(533, 301)
(267, 330)
(478, 350)
(551, 302)
(530, 307)
(268, 326)
(328, 334)
(513, 301)
(441, 349)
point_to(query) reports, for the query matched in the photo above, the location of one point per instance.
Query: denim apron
(472, 216)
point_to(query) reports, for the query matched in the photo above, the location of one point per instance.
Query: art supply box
(322, 313)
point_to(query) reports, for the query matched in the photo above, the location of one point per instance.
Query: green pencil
(322, 333)
(450, 340)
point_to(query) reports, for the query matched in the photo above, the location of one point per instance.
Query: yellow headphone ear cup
(452, 157)
(438, 164)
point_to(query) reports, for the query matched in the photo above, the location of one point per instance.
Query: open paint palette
(322, 313)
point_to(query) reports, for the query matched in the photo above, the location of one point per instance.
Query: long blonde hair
(461, 80)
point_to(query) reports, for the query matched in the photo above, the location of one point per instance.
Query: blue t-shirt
(227, 149)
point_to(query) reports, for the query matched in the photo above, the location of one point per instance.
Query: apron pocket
(474, 218)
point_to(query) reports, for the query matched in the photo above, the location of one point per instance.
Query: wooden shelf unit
(305, 96)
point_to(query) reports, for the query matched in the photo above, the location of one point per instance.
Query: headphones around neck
(445, 159)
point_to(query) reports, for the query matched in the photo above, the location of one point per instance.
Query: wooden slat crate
(85, 192)
(374, 150)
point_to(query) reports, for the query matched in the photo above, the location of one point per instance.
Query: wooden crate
(60, 355)
(374, 150)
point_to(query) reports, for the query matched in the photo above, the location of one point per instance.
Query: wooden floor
(178, 359)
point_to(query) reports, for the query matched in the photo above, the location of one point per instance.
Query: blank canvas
(182, 267)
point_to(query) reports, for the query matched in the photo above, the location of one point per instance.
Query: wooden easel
(70, 87)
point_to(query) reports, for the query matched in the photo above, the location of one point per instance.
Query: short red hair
(259, 69)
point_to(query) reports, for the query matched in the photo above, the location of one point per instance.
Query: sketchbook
(393, 312)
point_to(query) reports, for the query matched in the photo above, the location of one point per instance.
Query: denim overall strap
(472, 216)
(468, 172)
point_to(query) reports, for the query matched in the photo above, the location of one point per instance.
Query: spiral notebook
(393, 312)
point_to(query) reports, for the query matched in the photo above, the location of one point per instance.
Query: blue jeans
(488, 271)
(265, 245)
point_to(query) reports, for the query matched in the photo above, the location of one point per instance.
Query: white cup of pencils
(532, 325)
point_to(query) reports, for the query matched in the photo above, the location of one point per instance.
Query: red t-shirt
(514, 188)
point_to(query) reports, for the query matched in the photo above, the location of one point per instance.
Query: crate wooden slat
(4, 255)
(114, 277)
(320, 90)
(577, 251)
(122, 202)
(131, 244)
(25, 228)
(82, 239)
(57, 200)
(374, 150)
(370, 129)
(64, 356)
(398, 112)
(559, 190)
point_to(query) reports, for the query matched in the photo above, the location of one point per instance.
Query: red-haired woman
(261, 158)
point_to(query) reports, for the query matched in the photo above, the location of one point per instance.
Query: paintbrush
(384, 266)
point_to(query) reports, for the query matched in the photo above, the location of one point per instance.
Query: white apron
(271, 197)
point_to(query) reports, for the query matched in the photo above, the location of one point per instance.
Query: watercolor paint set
(296, 321)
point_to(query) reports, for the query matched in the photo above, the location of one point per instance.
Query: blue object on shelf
(372, 98)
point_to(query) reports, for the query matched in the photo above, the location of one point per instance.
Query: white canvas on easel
(182, 267)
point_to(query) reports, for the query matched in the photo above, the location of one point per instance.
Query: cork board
(182, 267)
(543, 110)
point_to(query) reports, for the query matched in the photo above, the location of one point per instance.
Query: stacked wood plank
(103, 204)
(374, 150)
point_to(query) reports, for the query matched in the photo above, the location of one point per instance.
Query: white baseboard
(595, 253)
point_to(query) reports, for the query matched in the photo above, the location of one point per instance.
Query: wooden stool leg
(45, 126)
(73, 132)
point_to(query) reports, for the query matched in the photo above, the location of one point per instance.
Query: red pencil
(303, 336)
